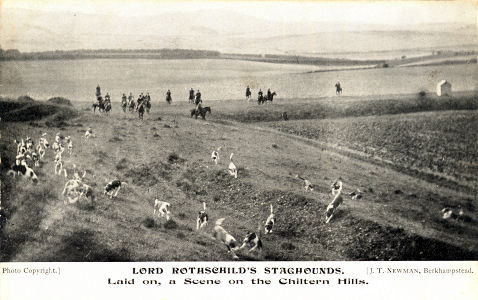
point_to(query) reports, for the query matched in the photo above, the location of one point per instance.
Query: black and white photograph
(244, 131)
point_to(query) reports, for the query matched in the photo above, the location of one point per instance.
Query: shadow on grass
(81, 246)
(22, 214)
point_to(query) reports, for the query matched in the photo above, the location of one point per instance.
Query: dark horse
(201, 112)
(107, 108)
(169, 99)
(100, 105)
(124, 105)
(95, 106)
(148, 105)
(141, 111)
(338, 89)
(131, 106)
(265, 98)
(248, 94)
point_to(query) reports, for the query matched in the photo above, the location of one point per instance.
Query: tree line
(14, 54)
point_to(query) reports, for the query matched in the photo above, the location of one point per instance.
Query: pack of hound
(162, 209)
(252, 239)
(28, 157)
(232, 169)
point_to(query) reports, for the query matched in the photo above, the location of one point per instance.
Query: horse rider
(198, 98)
(147, 97)
(140, 101)
(123, 99)
(107, 98)
(248, 92)
(168, 96)
(269, 94)
(98, 91)
(337, 85)
(198, 102)
(191, 95)
(259, 95)
(130, 98)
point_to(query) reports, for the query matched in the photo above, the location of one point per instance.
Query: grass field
(372, 146)
(442, 144)
(222, 79)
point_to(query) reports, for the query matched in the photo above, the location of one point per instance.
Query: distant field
(470, 59)
(218, 79)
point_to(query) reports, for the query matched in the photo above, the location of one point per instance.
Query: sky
(370, 12)
(233, 26)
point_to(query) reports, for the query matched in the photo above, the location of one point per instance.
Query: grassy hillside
(440, 144)
(167, 157)
(344, 107)
(26, 109)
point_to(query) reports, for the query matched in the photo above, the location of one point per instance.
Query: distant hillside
(224, 31)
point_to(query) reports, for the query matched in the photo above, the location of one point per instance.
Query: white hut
(444, 88)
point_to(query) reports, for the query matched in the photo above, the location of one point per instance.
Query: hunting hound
(307, 184)
(271, 220)
(202, 218)
(338, 199)
(215, 155)
(232, 167)
(112, 186)
(163, 209)
(223, 236)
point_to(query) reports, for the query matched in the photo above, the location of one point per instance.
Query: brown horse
(201, 112)
(265, 98)
(141, 111)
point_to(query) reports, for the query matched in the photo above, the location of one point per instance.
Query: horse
(107, 108)
(101, 107)
(191, 98)
(131, 106)
(202, 112)
(338, 89)
(148, 105)
(169, 99)
(262, 100)
(140, 111)
(271, 97)
(248, 94)
(124, 105)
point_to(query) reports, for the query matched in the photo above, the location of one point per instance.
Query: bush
(170, 224)
(149, 222)
(60, 100)
(174, 158)
(122, 164)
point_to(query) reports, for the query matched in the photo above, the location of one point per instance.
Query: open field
(167, 156)
(221, 79)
